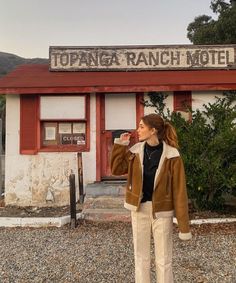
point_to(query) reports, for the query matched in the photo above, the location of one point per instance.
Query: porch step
(105, 188)
(105, 208)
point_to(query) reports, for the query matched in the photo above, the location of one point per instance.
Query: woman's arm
(120, 155)
(180, 199)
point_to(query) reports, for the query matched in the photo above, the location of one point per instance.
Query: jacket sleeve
(180, 199)
(119, 157)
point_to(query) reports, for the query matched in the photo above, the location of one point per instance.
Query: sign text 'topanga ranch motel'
(141, 58)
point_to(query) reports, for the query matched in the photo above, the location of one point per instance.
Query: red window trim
(29, 115)
(178, 97)
(37, 145)
(69, 148)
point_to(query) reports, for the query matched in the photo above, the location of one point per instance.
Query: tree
(205, 30)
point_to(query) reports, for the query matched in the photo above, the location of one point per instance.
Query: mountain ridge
(9, 62)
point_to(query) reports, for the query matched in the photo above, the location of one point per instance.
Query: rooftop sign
(138, 58)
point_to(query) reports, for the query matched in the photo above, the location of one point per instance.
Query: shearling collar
(168, 151)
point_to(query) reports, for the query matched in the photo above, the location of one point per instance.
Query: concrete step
(105, 208)
(105, 188)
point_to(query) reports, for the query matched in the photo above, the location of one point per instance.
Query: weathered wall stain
(38, 174)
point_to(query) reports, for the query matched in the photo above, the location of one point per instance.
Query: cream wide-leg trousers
(162, 230)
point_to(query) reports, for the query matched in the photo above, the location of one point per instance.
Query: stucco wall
(203, 97)
(31, 179)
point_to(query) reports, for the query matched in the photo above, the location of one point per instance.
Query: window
(64, 123)
(62, 107)
(114, 102)
(63, 133)
(182, 103)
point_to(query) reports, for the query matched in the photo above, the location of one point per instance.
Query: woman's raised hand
(125, 136)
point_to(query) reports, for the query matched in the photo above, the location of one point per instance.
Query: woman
(155, 193)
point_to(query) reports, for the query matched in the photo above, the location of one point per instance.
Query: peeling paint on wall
(39, 174)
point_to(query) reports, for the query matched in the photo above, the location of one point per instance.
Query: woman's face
(144, 132)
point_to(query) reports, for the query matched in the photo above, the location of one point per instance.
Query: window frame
(184, 112)
(66, 147)
(177, 94)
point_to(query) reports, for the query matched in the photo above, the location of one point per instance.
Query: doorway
(120, 112)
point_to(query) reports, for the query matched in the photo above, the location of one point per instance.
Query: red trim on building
(29, 124)
(63, 91)
(182, 100)
(100, 127)
(139, 107)
(98, 137)
(31, 79)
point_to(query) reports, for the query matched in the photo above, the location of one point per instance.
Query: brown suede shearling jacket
(169, 191)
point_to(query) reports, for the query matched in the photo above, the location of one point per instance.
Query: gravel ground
(103, 252)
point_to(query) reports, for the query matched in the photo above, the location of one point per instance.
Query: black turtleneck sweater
(152, 155)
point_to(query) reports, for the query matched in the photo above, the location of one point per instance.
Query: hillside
(9, 61)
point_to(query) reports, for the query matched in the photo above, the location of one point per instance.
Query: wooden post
(72, 201)
(80, 176)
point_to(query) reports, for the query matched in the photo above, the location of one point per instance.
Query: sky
(29, 27)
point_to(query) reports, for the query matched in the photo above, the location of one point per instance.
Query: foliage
(208, 149)
(157, 101)
(205, 30)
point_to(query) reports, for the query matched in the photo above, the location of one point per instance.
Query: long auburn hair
(165, 131)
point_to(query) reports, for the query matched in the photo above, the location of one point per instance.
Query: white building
(50, 116)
